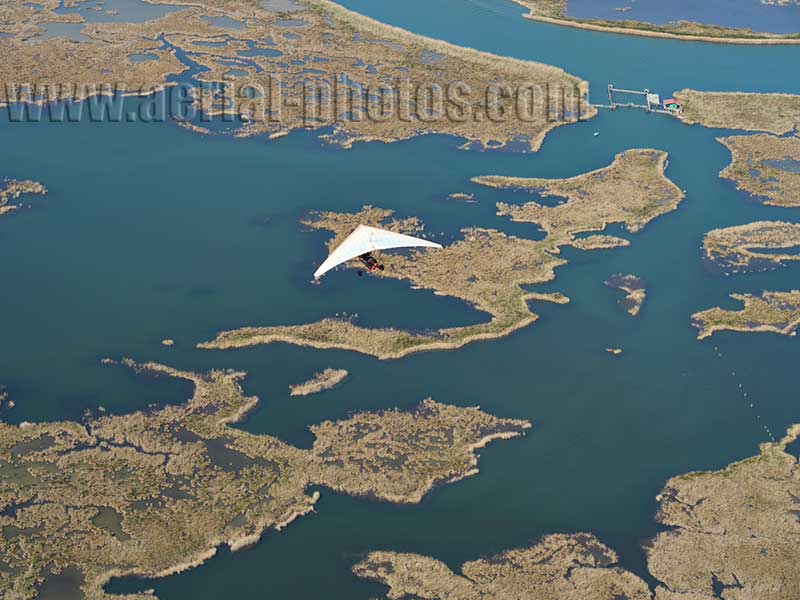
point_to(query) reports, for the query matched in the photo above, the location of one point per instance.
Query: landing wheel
(380, 267)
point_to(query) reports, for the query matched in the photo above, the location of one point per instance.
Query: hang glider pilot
(370, 262)
(365, 240)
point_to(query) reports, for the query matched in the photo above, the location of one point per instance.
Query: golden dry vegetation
(599, 242)
(11, 189)
(736, 528)
(632, 190)
(772, 113)
(558, 567)
(324, 380)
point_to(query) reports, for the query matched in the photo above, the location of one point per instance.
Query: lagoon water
(743, 14)
(150, 232)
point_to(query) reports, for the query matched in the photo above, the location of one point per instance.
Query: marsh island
(633, 190)
(558, 567)
(775, 312)
(11, 189)
(635, 292)
(154, 493)
(555, 11)
(324, 380)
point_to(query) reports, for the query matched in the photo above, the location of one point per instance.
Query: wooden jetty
(652, 101)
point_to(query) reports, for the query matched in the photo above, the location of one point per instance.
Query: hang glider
(366, 239)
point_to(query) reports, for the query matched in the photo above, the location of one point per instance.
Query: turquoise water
(743, 14)
(151, 232)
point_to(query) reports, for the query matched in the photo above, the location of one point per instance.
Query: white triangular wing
(367, 239)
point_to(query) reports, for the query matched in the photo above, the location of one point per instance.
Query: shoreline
(434, 483)
(398, 49)
(707, 332)
(592, 26)
(768, 312)
(221, 343)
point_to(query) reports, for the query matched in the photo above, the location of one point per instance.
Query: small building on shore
(673, 105)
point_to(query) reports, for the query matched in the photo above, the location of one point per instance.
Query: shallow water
(290, 23)
(225, 22)
(282, 6)
(126, 11)
(150, 231)
(142, 57)
(235, 73)
(70, 31)
(785, 164)
(210, 44)
(255, 50)
(428, 57)
(65, 585)
(109, 519)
